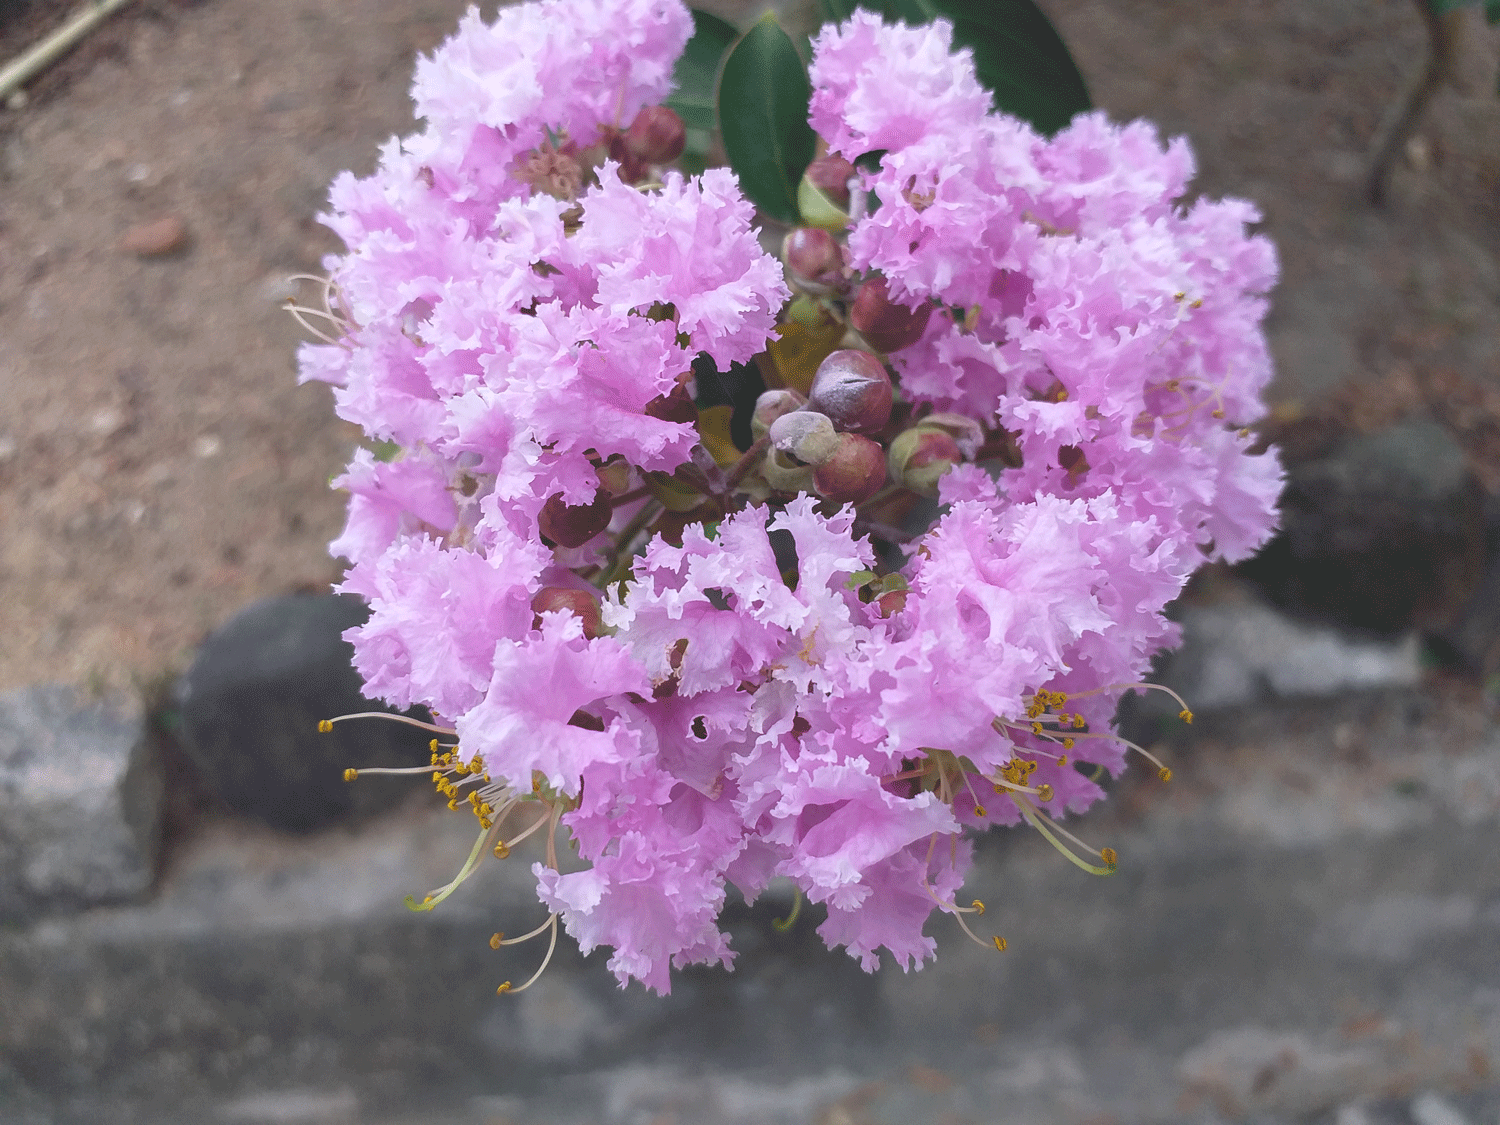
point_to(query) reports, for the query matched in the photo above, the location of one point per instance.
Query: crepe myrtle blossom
(908, 610)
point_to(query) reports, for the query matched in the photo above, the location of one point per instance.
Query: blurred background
(199, 922)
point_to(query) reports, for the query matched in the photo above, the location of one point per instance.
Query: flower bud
(783, 474)
(887, 325)
(813, 258)
(854, 473)
(573, 525)
(854, 390)
(578, 602)
(891, 602)
(823, 193)
(920, 456)
(674, 406)
(805, 435)
(961, 428)
(831, 175)
(656, 136)
(770, 406)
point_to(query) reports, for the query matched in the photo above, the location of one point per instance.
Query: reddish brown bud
(656, 136)
(854, 390)
(580, 603)
(831, 175)
(674, 406)
(854, 473)
(813, 258)
(886, 324)
(573, 525)
(771, 405)
(891, 602)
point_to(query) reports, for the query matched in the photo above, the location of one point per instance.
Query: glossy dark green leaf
(697, 71)
(763, 96)
(1018, 56)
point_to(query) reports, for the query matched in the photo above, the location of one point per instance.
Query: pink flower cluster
(514, 316)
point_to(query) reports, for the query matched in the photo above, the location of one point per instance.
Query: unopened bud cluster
(713, 660)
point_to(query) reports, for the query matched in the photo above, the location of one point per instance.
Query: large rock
(80, 802)
(1383, 531)
(251, 702)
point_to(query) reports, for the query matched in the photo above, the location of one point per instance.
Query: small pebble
(155, 239)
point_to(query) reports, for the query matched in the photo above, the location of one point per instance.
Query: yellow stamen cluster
(448, 763)
(449, 772)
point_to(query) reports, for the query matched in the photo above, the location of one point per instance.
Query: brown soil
(159, 466)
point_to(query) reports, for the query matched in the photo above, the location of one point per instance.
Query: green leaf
(1018, 56)
(697, 70)
(763, 96)
(837, 11)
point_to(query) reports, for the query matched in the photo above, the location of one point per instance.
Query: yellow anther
(437, 778)
(999, 789)
(1027, 766)
(1044, 792)
(426, 900)
(1164, 773)
(1109, 856)
(486, 823)
(1217, 413)
(501, 850)
(503, 989)
(1067, 745)
(495, 940)
(452, 804)
(350, 775)
(978, 906)
(325, 725)
(1179, 296)
(1198, 304)
(1062, 759)
(1079, 722)
(1036, 728)
(433, 745)
(1000, 944)
(979, 811)
(1185, 715)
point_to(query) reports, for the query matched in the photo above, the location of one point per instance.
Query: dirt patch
(159, 467)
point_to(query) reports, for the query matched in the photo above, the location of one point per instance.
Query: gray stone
(250, 704)
(1259, 953)
(1383, 531)
(80, 801)
(1243, 652)
(1428, 1108)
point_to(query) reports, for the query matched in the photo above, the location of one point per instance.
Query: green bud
(919, 457)
(805, 435)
